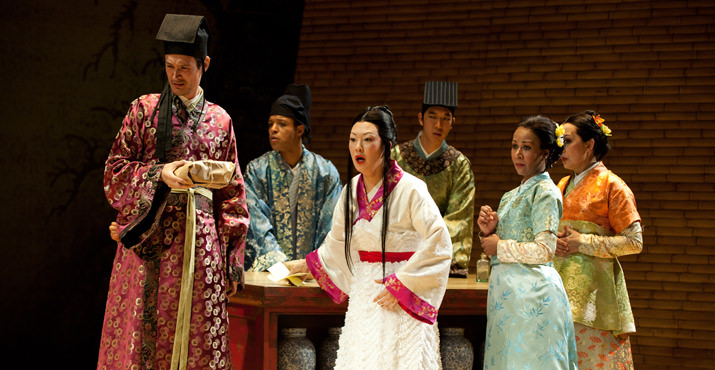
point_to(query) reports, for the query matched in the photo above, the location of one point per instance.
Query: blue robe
(271, 233)
(529, 324)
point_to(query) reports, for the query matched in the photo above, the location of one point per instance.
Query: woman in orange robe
(600, 222)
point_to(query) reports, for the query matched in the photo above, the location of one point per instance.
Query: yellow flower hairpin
(599, 121)
(560, 135)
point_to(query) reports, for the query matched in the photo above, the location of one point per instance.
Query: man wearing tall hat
(181, 248)
(291, 191)
(446, 171)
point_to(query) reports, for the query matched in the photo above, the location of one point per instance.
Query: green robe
(450, 181)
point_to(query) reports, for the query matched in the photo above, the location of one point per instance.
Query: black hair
(380, 116)
(587, 129)
(200, 64)
(544, 128)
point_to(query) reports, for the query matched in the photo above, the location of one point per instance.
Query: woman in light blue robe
(529, 324)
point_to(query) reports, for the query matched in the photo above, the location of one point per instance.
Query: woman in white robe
(396, 275)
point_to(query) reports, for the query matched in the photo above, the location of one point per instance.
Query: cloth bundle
(208, 173)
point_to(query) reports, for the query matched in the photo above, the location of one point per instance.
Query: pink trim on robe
(410, 302)
(323, 279)
(368, 209)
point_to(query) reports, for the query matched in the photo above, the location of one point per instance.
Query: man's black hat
(440, 93)
(185, 35)
(295, 104)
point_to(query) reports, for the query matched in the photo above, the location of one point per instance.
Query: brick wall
(647, 66)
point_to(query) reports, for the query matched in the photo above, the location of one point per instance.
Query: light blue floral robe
(270, 234)
(529, 323)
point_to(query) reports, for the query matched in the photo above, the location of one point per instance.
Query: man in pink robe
(160, 133)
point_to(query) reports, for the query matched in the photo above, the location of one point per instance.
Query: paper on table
(280, 272)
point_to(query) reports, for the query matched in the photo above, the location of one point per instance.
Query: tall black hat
(295, 104)
(440, 93)
(185, 35)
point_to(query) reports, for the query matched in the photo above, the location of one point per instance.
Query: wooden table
(264, 306)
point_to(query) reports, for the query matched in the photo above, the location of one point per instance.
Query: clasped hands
(568, 242)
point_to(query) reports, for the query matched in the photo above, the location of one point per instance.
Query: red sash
(366, 256)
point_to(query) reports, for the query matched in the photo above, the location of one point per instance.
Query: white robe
(374, 338)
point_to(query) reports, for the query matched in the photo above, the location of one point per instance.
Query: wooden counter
(257, 313)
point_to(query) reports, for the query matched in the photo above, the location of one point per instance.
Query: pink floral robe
(140, 317)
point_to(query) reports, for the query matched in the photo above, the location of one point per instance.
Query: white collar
(583, 174)
(190, 104)
(296, 168)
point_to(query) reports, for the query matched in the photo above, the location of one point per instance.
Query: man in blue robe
(291, 191)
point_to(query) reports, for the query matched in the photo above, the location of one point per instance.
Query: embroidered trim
(428, 167)
(150, 313)
(368, 209)
(366, 256)
(323, 279)
(410, 302)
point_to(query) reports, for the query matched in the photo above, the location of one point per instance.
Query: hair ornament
(385, 109)
(559, 135)
(599, 121)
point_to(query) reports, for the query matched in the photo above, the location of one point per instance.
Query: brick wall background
(647, 66)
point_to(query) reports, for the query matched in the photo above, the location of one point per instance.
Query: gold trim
(180, 351)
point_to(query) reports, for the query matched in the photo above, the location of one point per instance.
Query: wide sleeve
(459, 215)
(132, 176)
(232, 215)
(262, 249)
(327, 264)
(628, 241)
(331, 193)
(546, 209)
(420, 284)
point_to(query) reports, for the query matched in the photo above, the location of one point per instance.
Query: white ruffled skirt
(376, 339)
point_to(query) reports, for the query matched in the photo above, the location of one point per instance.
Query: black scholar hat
(185, 35)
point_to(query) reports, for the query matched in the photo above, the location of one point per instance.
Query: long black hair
(545, 129)
(587, 129)
(381, 117)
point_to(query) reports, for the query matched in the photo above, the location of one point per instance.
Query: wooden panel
(257, 313)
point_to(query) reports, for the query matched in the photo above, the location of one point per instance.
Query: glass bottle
(483, 268)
